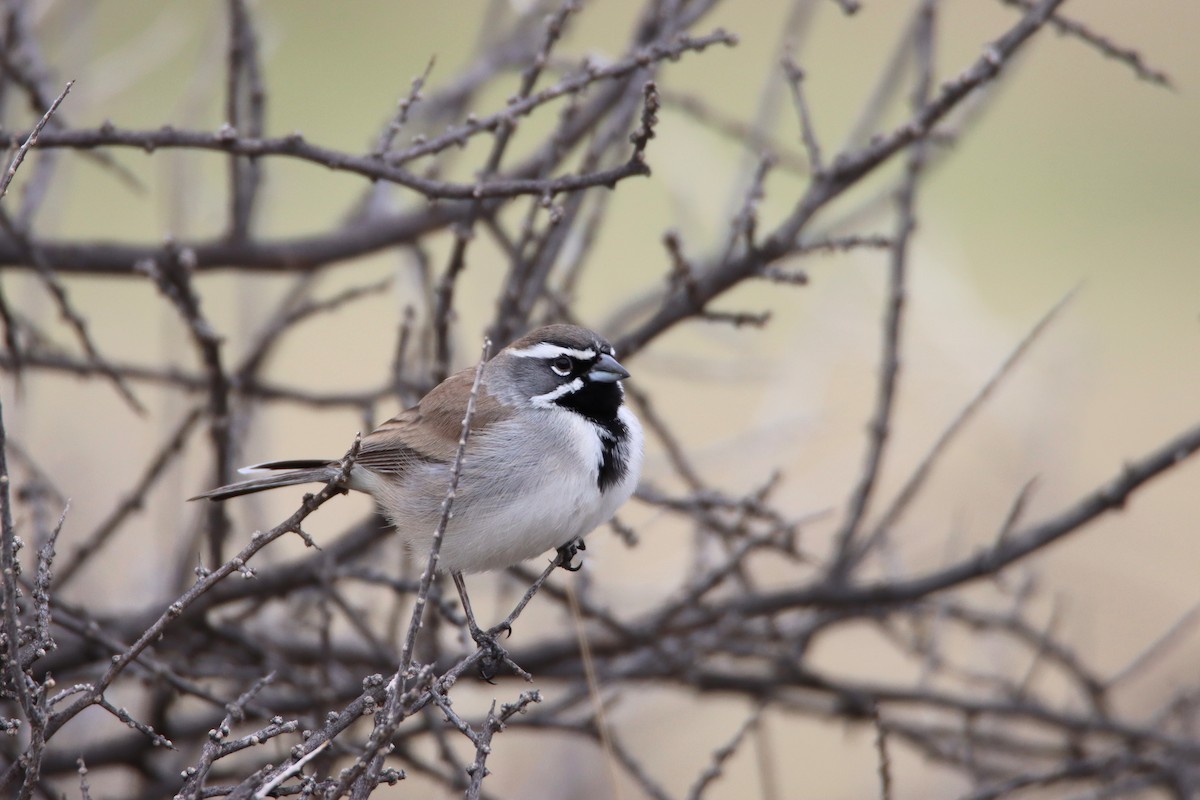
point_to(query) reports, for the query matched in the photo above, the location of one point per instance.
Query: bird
(553, 452)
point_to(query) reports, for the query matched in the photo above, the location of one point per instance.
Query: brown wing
(429, 432)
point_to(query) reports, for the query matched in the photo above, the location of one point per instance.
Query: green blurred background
(1076, 175)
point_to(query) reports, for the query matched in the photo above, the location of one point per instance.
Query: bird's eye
(562, 365)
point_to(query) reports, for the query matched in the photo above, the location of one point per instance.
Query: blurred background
(1077, 177)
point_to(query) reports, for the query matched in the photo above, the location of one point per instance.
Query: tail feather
(294, 472)
(298, 463)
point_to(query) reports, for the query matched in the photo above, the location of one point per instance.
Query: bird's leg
(493, 654)
(472, 626)
(567, 553)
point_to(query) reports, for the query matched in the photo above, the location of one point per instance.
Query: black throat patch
(598, 403)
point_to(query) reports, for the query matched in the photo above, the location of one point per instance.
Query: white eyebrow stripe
(547, 400)
(548, 350)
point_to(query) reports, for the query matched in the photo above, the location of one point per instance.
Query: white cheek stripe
(547, 400)
(547, 350)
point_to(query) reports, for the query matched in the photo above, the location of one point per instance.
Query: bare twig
(1111, 496)
(173, 277)
(808, 134)
(1152, 652)
(369, 761)
(133, 500)
(34, 255)
(367, 166)
(31, 140)
(722, 754)
(238, 563)
(1131, 58)
(889, 368)
(245, 111)
(844, 172)
(912, 486)
(885, 761)
(403, 109)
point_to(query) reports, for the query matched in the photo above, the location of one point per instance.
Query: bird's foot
(492, 654)
(488, 638)
(567, 553)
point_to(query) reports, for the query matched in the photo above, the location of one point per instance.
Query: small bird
(553, 452)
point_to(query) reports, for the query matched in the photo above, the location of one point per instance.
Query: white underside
(524, 489)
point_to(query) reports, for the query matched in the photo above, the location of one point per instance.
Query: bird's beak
(607, 370)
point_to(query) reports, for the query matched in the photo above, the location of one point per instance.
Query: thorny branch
(260, 676)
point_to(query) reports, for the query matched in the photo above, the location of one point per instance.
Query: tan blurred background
(1078, 175)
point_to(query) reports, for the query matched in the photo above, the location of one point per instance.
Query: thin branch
(193, 383)
(1151, 654)
(845, 541)
(237, 564)
(30, 252)
(17, 680)
(133, 500)
(734, 129)
(403, 109)
(394, 710)
(464, 233)
(435, 546)
(912, 486)
(885, 761)
(1112, 496)
(216, 747)
(722, 754)
(1131, 58)
(590, 73)
(245, 111)
(31, 140)
(483, 743)
(845, 171)
(808, 134)
(367, 166)
(173, 277)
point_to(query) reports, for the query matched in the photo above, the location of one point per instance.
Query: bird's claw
(493, 655)
(567, 553)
